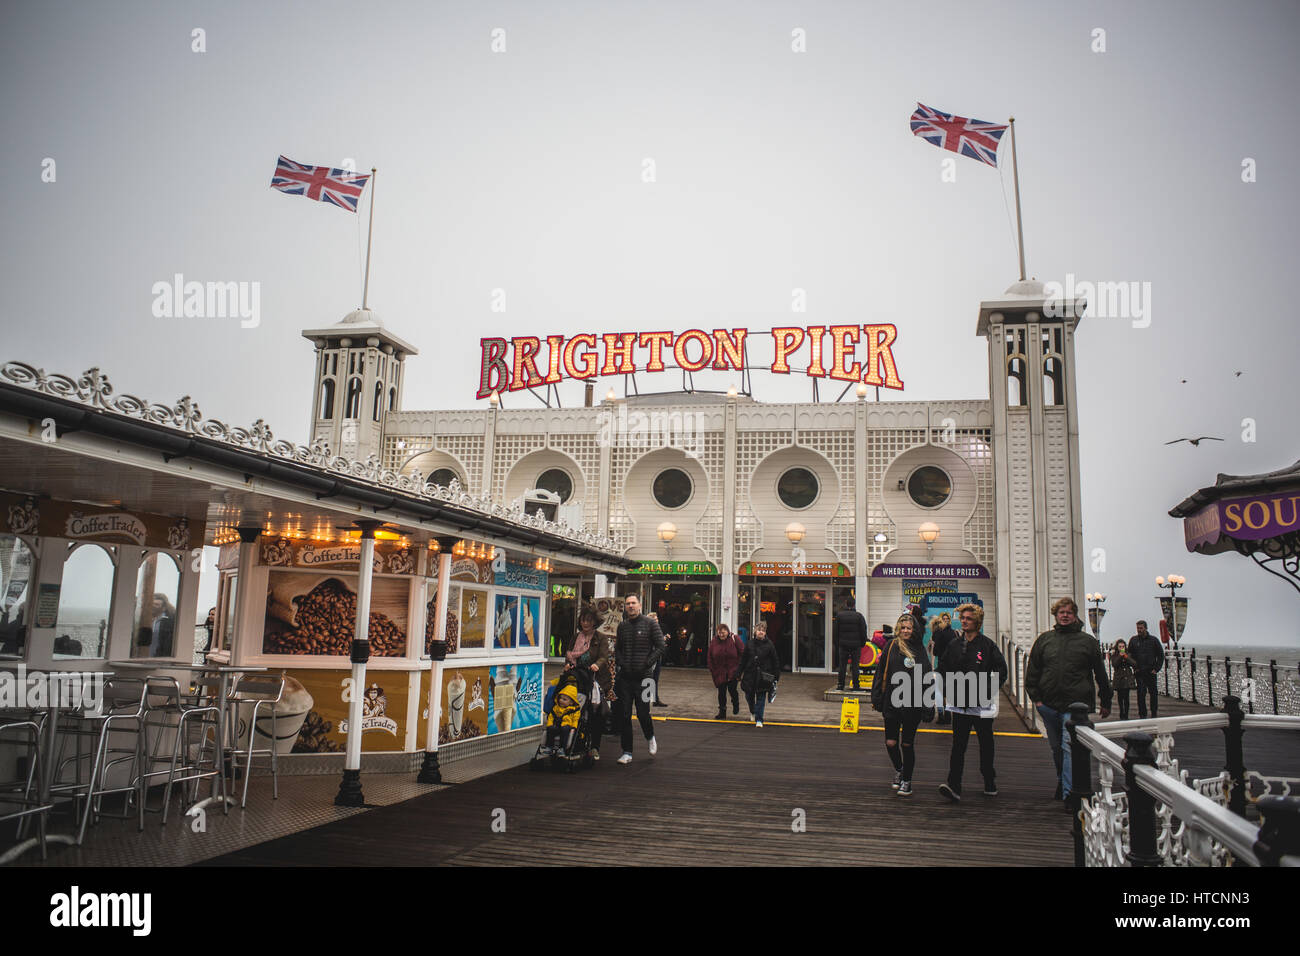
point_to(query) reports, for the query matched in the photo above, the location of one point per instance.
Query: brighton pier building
(742, 510)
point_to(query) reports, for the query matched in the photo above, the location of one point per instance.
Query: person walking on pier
(940, 640)
(638, 647)
(724, 667)
(893, 691)
(1148, 657)
(1121, 676)
(1063, 663)
(760, 669)
(966, 659)
(851, 636)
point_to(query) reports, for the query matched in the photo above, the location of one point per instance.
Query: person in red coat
(724, 666)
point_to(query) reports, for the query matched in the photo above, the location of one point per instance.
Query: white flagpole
(1015, 175)
(365, 292)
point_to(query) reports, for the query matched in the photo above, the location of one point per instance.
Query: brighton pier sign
(510, 365)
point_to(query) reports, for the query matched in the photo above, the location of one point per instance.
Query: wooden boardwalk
(716, 794)
(727, 793)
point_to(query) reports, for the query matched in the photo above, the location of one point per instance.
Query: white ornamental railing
(1160, 817)
(93, 390)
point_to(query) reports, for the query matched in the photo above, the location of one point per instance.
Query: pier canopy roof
(76, 440)
(1255, 515)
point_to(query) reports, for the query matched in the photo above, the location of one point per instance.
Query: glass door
(811, 628)
(776, 608)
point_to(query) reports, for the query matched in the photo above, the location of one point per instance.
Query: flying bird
(1195, 441)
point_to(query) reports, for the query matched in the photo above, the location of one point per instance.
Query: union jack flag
(337, 186)
(970, 137)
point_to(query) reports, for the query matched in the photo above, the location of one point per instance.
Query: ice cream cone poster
(516, 699)
(466, 692)
(530, 621)
(473, 617)
(506, 623)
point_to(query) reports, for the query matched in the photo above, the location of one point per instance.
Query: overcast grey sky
(522, 170)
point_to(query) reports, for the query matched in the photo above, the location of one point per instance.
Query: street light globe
(1088, 596)
(929, 532)
(731, 392)
(862, 389)
(494, 399)
(1160, 581)
(667, 531)
(881, 537)
(795, 532)
(610, 396)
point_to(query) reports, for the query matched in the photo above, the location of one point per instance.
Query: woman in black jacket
(760, 669)
(901, 699)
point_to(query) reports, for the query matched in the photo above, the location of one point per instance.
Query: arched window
(1017, 382)
(157, 592)
(85, 603)
(392, 399)
(1053, 381)
(327, 398)
(353, 409)
(379, 400)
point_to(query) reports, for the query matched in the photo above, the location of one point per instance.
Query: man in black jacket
(1148, 657)
(638, 647)
(972, 654)
(850, 629)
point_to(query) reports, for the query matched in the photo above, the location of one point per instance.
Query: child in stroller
(568, 722)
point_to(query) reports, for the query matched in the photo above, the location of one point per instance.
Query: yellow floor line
(775, 723)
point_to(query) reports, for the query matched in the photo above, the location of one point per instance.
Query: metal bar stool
(122, 711)
(192, 713)
(258, 689)
(19, 792)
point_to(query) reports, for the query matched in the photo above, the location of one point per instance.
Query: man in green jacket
(1062, 666)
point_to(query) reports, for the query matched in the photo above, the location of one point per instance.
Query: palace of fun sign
(509, 365)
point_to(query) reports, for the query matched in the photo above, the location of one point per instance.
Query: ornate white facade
(1012, 459)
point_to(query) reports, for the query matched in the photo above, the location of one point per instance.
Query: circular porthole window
(443, 477)
(557, 482)
(672, 488)
(929, 486)
(797, 488)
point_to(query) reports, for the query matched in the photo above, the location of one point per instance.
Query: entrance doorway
(797, 623)
(685, 613)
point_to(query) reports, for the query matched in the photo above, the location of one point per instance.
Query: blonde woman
(893, 693)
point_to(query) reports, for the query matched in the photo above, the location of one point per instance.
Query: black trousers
(900, 727)
(631, 694)
(849, 657)
(962, 725)
(722, 697)
(1121, 694)
(1146, 681)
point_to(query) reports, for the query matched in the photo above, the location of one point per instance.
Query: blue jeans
(1059, 738)
(757, 701)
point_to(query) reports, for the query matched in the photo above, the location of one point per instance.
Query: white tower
(1035, 454)
(358, 380)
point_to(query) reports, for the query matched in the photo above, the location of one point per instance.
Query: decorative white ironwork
(93, 388)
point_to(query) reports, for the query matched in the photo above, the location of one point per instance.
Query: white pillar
(429, 772)
(349, 794)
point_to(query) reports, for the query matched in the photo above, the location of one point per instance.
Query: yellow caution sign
(849, 716)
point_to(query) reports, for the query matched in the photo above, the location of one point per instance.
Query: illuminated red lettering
(879, 339)
(619, 345)
(493, 352)
(730, 350)
(656, 342)
(589, 364)
(525, 369)
(785, 341)
(706, 350)
(844, 338)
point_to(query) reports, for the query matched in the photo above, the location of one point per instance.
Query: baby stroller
(569, 713)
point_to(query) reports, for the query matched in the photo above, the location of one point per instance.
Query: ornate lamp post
(1097, 612)
(1174, 582)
